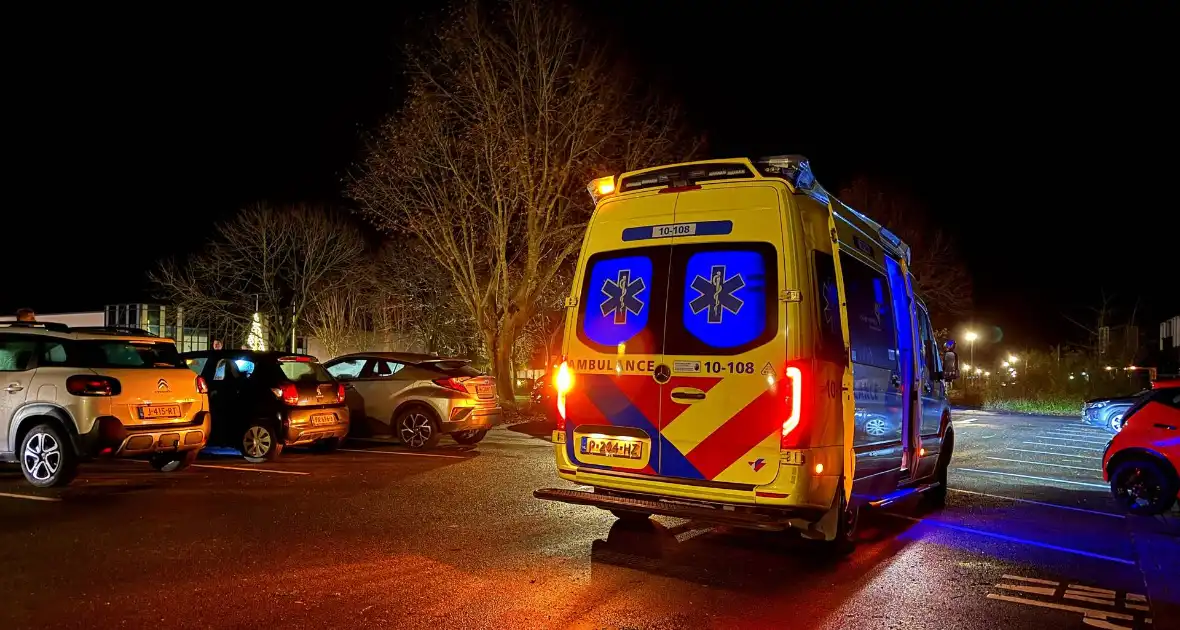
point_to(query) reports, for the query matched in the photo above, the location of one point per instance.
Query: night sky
(1042, 142)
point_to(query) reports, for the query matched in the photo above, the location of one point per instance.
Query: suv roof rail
(113, 330)
(54, 326)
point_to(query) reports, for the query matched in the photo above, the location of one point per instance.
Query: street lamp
(971, 337)
(1012, 358)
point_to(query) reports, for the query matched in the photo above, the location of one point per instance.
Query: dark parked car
(263, 401)
(544, 396)
(1109, 412)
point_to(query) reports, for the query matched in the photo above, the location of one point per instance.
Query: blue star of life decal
(717, 294)
(622, 296)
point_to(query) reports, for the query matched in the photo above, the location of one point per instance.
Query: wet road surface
(373, 535)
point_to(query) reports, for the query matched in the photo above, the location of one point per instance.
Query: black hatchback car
(260, 402)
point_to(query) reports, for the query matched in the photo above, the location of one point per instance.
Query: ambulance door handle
(688, 394)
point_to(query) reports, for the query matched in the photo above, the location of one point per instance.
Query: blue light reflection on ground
(925, 527)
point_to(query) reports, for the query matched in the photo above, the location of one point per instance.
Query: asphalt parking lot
(375, 535)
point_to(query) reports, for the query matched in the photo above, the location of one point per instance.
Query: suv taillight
(793, 436)
(90, 385)
(202, 386)
(286, 393)
(451, 384)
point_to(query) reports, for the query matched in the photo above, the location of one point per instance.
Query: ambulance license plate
(608, 447)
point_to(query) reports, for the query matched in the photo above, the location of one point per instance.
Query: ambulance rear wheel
(845, 540)
(631, 517)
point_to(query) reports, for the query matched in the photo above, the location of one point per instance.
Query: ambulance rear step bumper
(718, 515)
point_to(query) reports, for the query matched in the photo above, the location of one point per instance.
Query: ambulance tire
(936, 497)
(845, 541)
(631, 517)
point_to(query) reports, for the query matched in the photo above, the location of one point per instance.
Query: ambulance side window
(831, 338)
(873, 344)
(929, 356)
(870, 315)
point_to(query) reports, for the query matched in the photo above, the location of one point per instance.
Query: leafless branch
(273, 260)
(940, 277)
(511, 110)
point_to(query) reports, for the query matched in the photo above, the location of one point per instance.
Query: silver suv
(70, 394)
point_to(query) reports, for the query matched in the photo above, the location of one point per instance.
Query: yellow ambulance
(742, 348)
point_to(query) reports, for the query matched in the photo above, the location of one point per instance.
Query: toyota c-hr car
(418, 397)
(67, 395)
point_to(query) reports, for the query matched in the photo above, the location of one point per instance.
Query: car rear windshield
(453, 368)
(304, 372)
(111, 353)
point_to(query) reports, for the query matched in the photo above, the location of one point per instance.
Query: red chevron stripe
(581, 410)
(735, 438)
(672, 409)
(643, 392)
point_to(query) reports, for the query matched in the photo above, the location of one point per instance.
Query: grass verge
(1041, 406)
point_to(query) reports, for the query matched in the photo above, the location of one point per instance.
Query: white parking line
(257, 470)
(1077, 432)
(30, 497)
(353, 450)
(1025, 450)
(1041, 503)
(1080, 448)
(1050, 479)
(1071, 439)
(1036, 590)
(1021, 461)
(1028, 579)
(1088, 612)
(223, 467)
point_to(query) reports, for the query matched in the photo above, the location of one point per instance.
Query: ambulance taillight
(563, 383)
(792, 435)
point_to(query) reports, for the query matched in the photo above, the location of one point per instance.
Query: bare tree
(940, 276)
(511, 110)
(340, 318)
(544, 328)
(267, 259)
(419, 301)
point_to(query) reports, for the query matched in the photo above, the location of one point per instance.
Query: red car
(1142, 460)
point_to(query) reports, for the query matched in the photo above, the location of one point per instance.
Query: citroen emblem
(162, 386)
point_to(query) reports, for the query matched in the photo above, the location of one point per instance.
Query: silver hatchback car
(417, 397)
